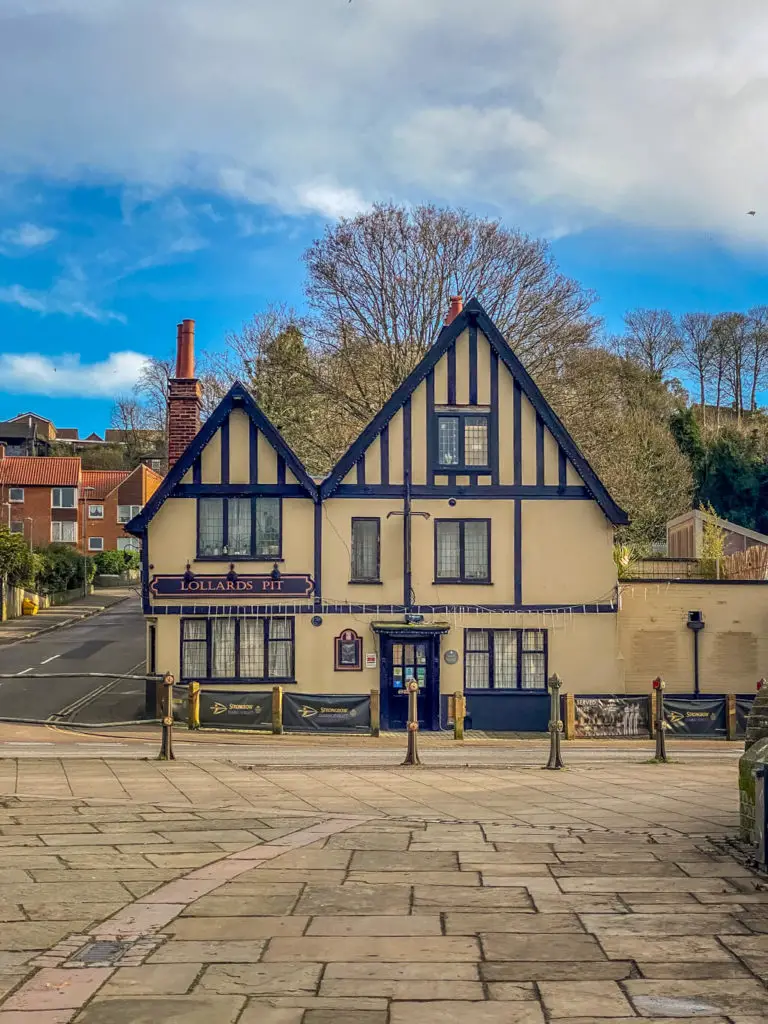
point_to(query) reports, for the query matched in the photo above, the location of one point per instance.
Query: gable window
(462, 551)
(63, 497)
(505, 659)
(63, 532)
(95, 543)
(95, 511)
(125, 513)
(16, 494)
(462, 440)
(260, 649)
(238, 528)
(365, 550)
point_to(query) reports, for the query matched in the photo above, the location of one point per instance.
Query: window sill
(239, 558)
(463, 583)
(461, 470)
(369, 583)
(238, 681)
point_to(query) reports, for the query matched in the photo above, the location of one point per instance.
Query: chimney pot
(457, 304)
(185, 350)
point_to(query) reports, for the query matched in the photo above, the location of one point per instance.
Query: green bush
(61, 567)
(113, 563)
(17, 563)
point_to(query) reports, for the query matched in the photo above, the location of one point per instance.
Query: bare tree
(757, 353)
(651, 340)
(151, 390)
(381, 283)
(697, 351)
(733, 331)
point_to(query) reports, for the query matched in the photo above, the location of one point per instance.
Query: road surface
(111, 641)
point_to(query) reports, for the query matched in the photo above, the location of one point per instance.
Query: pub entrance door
(405, 657)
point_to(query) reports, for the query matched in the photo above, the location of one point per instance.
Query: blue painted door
(404, 659)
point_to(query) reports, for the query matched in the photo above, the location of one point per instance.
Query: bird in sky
(750, 213)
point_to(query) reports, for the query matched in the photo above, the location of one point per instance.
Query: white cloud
(66, 376)
(62, 298)
(557, 114)
(28, 236)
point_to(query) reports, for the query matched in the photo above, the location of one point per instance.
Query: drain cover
(102, 952)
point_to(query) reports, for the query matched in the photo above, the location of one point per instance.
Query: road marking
(53, 656)
(87, 698)
(25, 670)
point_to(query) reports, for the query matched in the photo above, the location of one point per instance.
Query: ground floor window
(505, 659)
(255, 649)
(63, 532)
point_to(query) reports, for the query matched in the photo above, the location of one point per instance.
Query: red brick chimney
(184, 395)
(457, 304)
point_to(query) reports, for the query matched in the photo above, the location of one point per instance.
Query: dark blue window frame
(489, 651)
(462, 415)
(237, 677)
(462, 577)
(253, 556)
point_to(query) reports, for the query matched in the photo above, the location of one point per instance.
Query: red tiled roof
(27, 471)
(103, 481)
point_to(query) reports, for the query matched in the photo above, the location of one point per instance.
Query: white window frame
(16, 490)
(17, 527)
(96, 515)
(53, 497)
(133, 511)
(128, 544)
(92, 546)
(63, 522)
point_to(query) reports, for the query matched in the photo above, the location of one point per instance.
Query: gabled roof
(29, 471)
(238, 397)
(67, 434)
(696, 515)
(104, 481)
(473, 312)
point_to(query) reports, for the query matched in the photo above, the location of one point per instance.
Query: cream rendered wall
(337, 531)
(654, 638)
(210, 461)
(567, 553)
(239, 447)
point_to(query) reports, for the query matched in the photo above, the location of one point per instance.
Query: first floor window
(95, 511)
(17, 527)
(95, 543)
(462, 550)
(365, 550)
(16, 494)
(63, 533)
(125, 513)
(63, 497)
(259, 648)
(127, 543)
(505, 659)
(238, 527)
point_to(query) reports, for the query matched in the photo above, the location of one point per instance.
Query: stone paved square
(445, 896)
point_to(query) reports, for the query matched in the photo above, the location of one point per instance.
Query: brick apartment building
(54, 500)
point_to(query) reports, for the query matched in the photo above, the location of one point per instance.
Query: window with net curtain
(505, 659)
(462, 550)
(259, 648)
(365, 549)
(239, 527)
(462, 441)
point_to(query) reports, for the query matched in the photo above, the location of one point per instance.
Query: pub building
(463, 540)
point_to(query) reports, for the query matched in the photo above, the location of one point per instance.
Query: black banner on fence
(743, 707)
(312, 712)
(610, 717)
(236, 709)
(697, 717)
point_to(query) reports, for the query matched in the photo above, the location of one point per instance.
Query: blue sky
(162, 161)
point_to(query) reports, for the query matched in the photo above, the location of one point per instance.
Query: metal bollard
(166, 744)
(375, 712)
(661, 739)
(555, 762)
(412, 754)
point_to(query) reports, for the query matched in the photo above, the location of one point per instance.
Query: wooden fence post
(277, 710)
(459, 712)
(193, 706)
(570, 715)
(730, 716)
(375, 712)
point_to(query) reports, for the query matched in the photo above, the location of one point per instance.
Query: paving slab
(195, 1009)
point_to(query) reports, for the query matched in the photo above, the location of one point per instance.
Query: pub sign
(193, 585)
